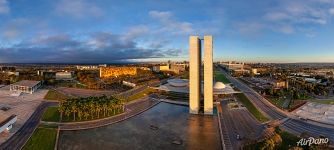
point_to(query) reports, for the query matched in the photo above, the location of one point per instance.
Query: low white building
(25, 86)
(6, 123)
(182, 86)
(64, 76)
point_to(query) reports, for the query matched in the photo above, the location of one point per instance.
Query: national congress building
(195, 65)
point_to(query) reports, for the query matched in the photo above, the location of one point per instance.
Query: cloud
(287, 29)
(97, 47)
(137, 31)
(248, 28)
(4, 8)
(276, 16)
(14, 28)
(78, 9)
(289, 17)
(169, 24)
(162, 15)
(331, 11)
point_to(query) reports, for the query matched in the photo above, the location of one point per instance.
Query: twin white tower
(195, 73)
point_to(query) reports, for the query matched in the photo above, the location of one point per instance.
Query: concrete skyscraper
(195, 72)
(208, 75)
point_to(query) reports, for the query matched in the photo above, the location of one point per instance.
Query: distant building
(87, 67)
(235, 67)
(254, 71)
(47, 74)
(13, 73)
(178, 68)
(5, 68)
(160, 68)
(102, 65)
(64, 76)
(106, 72)
(280, 84)
(25, 86)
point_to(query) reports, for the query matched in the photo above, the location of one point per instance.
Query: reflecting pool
(165, 126)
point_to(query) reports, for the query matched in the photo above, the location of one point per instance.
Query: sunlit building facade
(106, 72)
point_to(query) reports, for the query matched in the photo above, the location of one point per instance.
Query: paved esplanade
(195, 64)
(18, 140)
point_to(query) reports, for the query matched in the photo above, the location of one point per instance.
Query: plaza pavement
(22, 106)
(318, 112)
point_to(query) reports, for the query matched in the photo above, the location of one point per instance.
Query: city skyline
(82, 31)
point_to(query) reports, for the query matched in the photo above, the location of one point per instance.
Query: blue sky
(106, 31)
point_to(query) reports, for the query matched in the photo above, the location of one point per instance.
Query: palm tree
(67, 113)
(92, 108)
(80, 114)
(98, 110)
(104, 106)
(86, 114)
(61, 110)
(74, 110)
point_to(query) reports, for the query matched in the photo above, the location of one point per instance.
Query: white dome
(219, 86)
(178, 82)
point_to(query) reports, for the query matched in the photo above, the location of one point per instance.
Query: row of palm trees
(90, 108)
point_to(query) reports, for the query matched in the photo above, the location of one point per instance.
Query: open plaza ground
(75, 92)
(317, 112)
(22, 106)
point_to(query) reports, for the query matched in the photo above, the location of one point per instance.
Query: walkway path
(131, 109)
(17, 141)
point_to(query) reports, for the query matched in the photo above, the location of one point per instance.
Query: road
(17, 141)
(293, 124)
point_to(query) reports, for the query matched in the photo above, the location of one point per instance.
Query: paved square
(22, 106)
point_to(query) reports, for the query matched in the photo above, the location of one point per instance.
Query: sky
(108, 31)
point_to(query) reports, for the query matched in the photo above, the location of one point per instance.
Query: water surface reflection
(165, 126)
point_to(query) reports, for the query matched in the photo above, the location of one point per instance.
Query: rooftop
(28, 83)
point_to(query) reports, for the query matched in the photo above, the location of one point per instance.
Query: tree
(61, 109)
(74, 110)
(67, 112)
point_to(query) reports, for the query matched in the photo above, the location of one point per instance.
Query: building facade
(106, 72)
(64, 76)
(208, 75)
(195, 72)
(25, 86)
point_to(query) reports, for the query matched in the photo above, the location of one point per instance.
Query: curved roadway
(292, 124)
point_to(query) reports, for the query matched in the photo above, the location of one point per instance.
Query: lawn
(54, 95)
(251, 108)
(288, 141)
(278, 102)
(331, 102)
(43, 138)
(140, 94)
(51, 114)
(221, 77)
